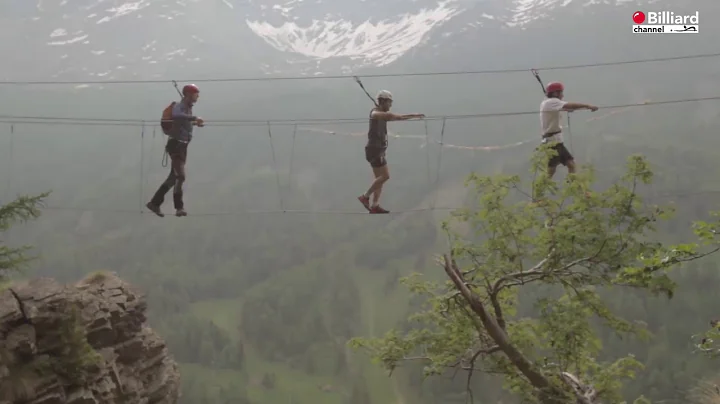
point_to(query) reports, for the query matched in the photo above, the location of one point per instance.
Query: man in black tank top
(376, 147)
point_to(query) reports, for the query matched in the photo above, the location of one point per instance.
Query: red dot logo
(638, 17)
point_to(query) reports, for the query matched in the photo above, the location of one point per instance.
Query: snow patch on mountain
(367, 43)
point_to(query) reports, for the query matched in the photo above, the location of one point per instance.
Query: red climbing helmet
(190, 89)
(554, 87)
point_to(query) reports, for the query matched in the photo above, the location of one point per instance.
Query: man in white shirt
(550, 110)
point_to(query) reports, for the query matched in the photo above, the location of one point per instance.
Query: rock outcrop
(86, 343)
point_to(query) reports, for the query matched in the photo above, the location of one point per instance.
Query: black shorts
(563, 156)
(375, 156)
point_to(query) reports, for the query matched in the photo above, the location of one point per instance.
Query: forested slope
(258, 307)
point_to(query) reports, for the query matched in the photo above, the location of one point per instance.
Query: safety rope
(277, 172)
(175, 84)
(142, 162)
(357, 80)
(537, 76)
(152, 150)
(234, 123)
(292, 156)
(569, 133)
(427, 154)
(439, 165)
(375, 75)
(10, 170)
(337, 212)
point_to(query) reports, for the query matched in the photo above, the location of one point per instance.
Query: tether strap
(357, 79)
(537, 76)
(175, 84)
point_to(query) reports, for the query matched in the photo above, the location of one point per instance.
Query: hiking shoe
(180, 213)
(154, 209)
(377, 209)
(365, 201)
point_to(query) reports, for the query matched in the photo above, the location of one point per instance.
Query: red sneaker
(378, 209)
(365, 201)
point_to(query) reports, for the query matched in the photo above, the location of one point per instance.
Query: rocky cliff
(81, 344)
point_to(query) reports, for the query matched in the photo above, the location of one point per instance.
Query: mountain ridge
(100, 39)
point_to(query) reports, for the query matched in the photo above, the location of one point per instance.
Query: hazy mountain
(125, 39)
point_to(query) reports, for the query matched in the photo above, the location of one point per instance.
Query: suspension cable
(277, 122)
(142, 162)
(292, 157)
(11, 158)
(152, 149)
(438, 73)
(427, 155)
(275, 167)
(439, 165)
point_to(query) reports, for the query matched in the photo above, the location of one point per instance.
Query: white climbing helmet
(384, 95)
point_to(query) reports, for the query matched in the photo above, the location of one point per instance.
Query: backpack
(166, 123)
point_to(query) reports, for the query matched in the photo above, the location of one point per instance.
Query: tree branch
(497, 287)
(585, 394)
(537, 379)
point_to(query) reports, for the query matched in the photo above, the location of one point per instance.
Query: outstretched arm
(389, 116)
(573, 106)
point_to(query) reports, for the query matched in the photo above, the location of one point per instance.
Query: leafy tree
(23, 208)
(709, 343)
(574, 244)
(15, 383)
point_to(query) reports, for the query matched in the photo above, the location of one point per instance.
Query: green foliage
(76, 359)
(575, 242)
(208, 267)
(23, 208)
(709, 341)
